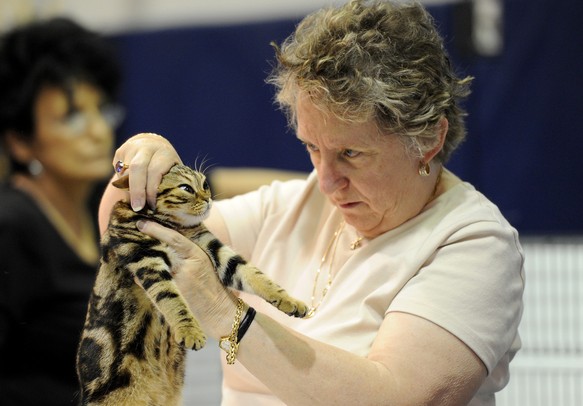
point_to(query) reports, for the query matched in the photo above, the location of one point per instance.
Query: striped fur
(132, 349)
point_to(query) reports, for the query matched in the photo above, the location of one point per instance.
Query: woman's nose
(330, 176)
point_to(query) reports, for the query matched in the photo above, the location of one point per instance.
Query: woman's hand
(147, 158)
(192, 270)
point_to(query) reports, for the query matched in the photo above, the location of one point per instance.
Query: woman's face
(73, 141)
(368, 176)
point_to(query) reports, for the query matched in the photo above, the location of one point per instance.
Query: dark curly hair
(55, 52)
(380, 60)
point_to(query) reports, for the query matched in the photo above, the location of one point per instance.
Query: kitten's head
(184, 196)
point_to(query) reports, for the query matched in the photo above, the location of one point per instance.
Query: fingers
(182, 246)
(145, 158)
(195, 276)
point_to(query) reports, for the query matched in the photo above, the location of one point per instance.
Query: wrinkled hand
(184, 253)
(193, 272)
(148, 157)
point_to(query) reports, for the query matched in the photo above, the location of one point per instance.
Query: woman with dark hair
(58, 84)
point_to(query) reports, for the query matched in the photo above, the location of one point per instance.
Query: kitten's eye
(187, 188)
(205, 185)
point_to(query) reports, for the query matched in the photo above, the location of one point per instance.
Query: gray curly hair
(378, 60)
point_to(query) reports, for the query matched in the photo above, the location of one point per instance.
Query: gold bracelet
(229, 343)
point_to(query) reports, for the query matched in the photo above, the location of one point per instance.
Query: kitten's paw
(257, 283)
(291, 306)
(190, 337)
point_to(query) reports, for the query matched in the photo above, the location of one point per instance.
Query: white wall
(124, 15)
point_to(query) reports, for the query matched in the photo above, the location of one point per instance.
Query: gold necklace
(333, 244)
(356, 243)
(434, 193)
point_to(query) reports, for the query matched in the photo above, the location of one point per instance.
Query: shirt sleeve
(472, 286)
(245, 215)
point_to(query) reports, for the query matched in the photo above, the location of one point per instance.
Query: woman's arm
(412, 361)
(111, 195)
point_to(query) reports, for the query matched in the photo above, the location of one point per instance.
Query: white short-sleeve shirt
(458, 264)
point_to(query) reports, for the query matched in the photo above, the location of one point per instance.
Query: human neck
(68, 199)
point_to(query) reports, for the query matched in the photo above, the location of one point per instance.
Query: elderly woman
(57, 84)
(414, 278)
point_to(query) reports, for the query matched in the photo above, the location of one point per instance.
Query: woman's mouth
(347, 206)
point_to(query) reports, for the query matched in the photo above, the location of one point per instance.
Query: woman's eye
(310, 147)
(113, 114)
(75, 120)
(350, 153)
(187, 188)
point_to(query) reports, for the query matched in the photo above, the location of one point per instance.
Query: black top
(44, 290)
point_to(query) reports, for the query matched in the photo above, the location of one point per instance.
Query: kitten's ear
(122, 183)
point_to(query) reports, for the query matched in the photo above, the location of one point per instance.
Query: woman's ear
(19, 148)
(441, 127)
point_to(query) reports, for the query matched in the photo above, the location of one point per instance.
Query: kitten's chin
(188, 220)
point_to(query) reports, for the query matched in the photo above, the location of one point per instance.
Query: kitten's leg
(236, 273)
(155, 278)
(250, 279)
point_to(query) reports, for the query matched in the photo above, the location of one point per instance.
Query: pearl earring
(35, 168)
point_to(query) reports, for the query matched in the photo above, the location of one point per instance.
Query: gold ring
(120, 167)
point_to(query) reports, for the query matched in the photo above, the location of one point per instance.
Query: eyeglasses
(78, 121)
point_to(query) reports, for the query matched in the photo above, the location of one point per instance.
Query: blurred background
(195, 72)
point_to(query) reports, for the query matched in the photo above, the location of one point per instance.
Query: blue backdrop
(204, 88)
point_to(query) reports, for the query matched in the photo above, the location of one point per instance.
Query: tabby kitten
(132, 349)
